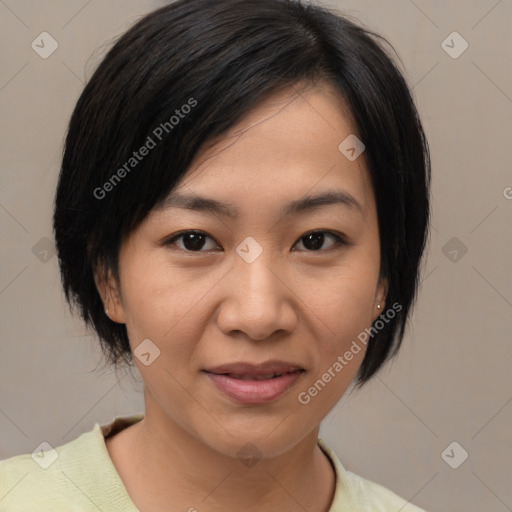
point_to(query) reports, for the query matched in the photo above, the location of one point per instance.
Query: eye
(315, 240)
(193, 241)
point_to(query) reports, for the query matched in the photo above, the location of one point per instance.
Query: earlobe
(380, 298)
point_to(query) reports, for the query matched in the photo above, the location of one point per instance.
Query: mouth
(255, 384)
(247, 376)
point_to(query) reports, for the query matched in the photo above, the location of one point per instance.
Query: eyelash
(340, 240)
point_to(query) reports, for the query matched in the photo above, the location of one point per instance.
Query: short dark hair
(222, 58)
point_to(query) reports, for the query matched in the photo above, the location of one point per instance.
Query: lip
(235, 380)
(245, 368)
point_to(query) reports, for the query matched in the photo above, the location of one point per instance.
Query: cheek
(341, 307)
(342, 298)
(338, 354)
(159, 300)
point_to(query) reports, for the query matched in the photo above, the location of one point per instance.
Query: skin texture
(211, 307)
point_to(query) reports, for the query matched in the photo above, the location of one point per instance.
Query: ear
(380, 298)
(108, 289)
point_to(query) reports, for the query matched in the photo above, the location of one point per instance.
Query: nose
(258, 300)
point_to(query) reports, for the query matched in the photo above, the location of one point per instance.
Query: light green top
(79, 476)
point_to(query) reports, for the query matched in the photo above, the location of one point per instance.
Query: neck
(166, 465)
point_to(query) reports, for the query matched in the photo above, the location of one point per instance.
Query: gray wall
(452, 380)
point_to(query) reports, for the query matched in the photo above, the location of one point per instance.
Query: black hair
(188, 72)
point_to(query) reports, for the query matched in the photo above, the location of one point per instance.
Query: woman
(241, 212)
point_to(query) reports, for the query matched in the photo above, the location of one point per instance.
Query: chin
(254, 441)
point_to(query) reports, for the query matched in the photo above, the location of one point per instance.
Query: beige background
(452, 380)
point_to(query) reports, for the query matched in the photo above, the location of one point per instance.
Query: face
(228, 297)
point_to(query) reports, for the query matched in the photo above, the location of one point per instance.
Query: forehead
(286, 147)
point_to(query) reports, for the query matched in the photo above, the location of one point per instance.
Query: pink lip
(255, 391)
(252, 391)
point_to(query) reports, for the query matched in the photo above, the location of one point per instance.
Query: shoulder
(353, 492)
(378, 498)
(77, 476)
(36, 478)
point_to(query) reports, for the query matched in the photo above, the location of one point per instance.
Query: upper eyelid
(176, 236)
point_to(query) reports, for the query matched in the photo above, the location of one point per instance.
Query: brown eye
(315, 240)
(192, 241)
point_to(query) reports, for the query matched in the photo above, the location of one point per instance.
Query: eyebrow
(308, 203)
